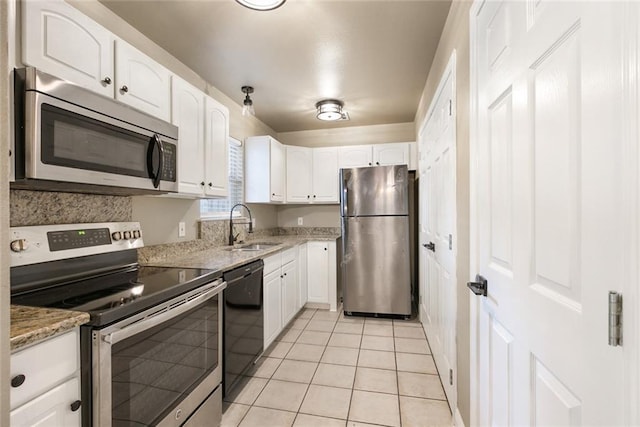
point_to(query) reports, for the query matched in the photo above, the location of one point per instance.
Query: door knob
(124, 89)
(479, 287)
(430, 246)
(106, 80)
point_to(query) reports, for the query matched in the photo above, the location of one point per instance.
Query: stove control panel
(42, 243)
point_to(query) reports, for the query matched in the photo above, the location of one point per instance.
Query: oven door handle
(159, 317)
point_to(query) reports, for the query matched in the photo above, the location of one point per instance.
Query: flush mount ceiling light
(261, 4)
(331, 110)
(247, 108)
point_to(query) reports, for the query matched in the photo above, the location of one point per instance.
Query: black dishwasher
(243, 321)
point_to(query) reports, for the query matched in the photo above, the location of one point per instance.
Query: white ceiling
(373, 55)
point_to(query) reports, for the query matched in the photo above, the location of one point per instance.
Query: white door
(391, 154)
(272, 306)
(437, 230)
(188, 114)
(355, 156)
(299, 166)
(58, 39)
(216, 149)
(141, 82)
(289, 291)
(548, 233)
(303, 290)
(318, 271)
(277, 171)
(325, 175)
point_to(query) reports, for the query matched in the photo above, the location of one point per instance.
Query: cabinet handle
(325, 249)
(282, 277)
(210, 185)
(75, 405)
(202, 183)
(285, 274)
(378, 163)
(273, 194)
(107, 80)
(124, 89)
(369, 163)
(308, 196)
(314, 196)
(18, 380)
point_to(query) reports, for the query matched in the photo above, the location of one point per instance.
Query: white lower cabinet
(280, 292)
(321, 273)
(45, 383)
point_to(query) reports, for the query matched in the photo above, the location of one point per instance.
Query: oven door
(158, 366)
(66, 142)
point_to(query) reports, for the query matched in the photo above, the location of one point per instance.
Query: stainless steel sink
(255, 246)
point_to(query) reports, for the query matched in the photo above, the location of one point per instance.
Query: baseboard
(457, 419)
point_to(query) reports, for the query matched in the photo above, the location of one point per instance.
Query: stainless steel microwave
(68, 138)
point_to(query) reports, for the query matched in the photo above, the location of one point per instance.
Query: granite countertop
(32, 324)
(223, 259)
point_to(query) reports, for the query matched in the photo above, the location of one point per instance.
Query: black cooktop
(113, 295)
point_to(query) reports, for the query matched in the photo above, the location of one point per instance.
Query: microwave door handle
(157, 319)
(158, 175)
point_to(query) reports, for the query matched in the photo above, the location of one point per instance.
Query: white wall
(354, 135)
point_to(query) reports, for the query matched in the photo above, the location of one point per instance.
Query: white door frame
(450, 70)
(630, 170)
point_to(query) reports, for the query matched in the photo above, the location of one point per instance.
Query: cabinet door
(391, 154)
(303, 292)
(299, 166)
(325, 175)
(141, 82)
(216, 149)
(187, 112)
(354, 156)
(58, 39)
(52, 408)
(277, 171)
(318, 271)
(289, 291)
(272, 307)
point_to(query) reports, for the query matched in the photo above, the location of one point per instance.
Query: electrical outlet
(300, 220)
(182, 229)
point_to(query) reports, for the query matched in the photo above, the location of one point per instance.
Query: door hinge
(450, 376)
(451, 107)
(615, 319)
(450, 242)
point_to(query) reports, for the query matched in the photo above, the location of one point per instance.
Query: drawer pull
(18, 380)
(75, 405)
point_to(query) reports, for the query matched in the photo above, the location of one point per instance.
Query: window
(220, 207)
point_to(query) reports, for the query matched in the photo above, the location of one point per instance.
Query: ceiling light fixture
(261, 4)
(247, 108)
(331, 110)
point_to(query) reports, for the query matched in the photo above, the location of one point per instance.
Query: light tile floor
(330, 370)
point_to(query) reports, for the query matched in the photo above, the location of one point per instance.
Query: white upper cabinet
(141, 82)
(312, 175)
(203, 143)
(264, 170)
(325, 175)
(391, 154)
(359, 156)
(355, 156)
(216, 149)
(188, 114)
(60, 40)
(299, 164)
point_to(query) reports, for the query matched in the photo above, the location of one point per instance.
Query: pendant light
(261, 4)
(247, 108)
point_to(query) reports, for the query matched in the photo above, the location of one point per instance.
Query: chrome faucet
(233, 238)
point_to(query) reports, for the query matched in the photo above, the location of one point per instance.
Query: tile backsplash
(44, 208)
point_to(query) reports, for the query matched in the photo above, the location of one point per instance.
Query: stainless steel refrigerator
(376, 244)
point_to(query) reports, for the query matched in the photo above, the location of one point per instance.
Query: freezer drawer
(375, 265)
(380, 190)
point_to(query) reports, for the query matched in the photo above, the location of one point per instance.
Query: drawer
(272, 263)
(53, 408)
(289, 255)
(44, 365)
